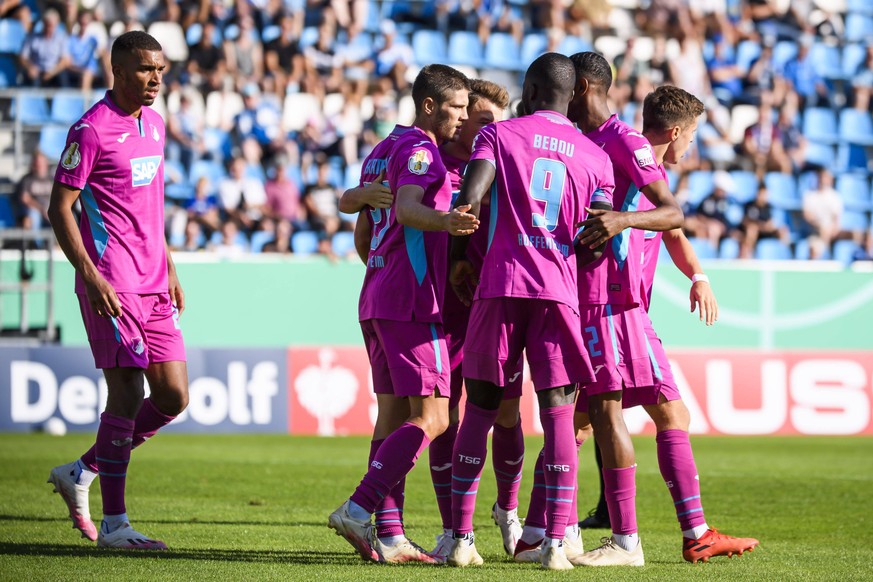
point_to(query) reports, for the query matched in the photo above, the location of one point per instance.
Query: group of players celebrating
(556, 218)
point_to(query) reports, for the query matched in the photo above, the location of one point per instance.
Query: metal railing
(24, 285)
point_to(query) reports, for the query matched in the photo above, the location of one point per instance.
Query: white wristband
(699, 277)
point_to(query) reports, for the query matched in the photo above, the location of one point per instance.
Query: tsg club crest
(71, 157)
(155, 134)
(419, 162)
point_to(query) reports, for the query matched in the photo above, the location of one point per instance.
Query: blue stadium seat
(700, 184)
(856, 126)
(854, 221)
(429, 46)
(217, 142)
(820, 154)
(353, 175)
(67, 107)
(859, 27)
(174, 172)
(209, 168)
(343, 243)
(52, 140)
(309, 36)
(859, 6)
(304, 243)
(533, 45)
(783, 52)
(771, 249)
(852, 158)
(703, 248)
(801, 250)
(260, 238)
(502, 52)
(854, 189)
(12, 36)
(729, 249)
(853, 59)
(465, 49)
(826, 60)
(32, 109)
(783, 190)
(746, 186)
(270, 33)
(844, 251)
(747, 52)
(7, 215)
(8, 73)
(734, 213)
(820, 125)
(573, 44)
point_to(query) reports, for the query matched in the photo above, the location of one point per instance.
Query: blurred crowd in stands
(271, 105)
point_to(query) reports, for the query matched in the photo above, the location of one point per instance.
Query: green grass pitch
(255, 508)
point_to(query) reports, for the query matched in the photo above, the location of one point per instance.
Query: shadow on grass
(301, 557)
(189, 521)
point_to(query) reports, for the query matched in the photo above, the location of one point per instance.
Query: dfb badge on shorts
(419, 162)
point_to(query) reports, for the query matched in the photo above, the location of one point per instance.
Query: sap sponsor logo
(558, 468)
(470, 460)
(144, 170)
(245, 398)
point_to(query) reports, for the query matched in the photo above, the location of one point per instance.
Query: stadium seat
(259, 239)
(703, 248)
(67, 107)
(304, 243)
(771, 249)
(212, 170)
(298, 109)
(12, 35)
(7, 215)
(8, 73)
(729, 249)
(783, 190)
(573, 44)
(742, 117)
(31, 109)
(783, 52)
(343, 243)
(465, 49)
(218, 143)
(859, 6)
(172, 39)
(859, 27)
(222, 107)
(533, 45)
(429, 46)
(844, 251)
(856, 127)
(502, 52)
(820, 154)
(853, 59)
(826, 60)
(801, 250)
(734, 213)
(308, 37)
(174, 172)
(700, 185)
(852, 158)
(745, 186)
(854, 189)
(854, 221)
(270, 33)
(352, 175)
(747, 52)
(820, 125)
(52, 139)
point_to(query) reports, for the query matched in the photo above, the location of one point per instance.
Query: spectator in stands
(822, 211)
(496, 16)
(232, 243)
(18, 10)
(324, 61)
(713, 141)
(724, 75)
(260, 119)
(862, 81)
(185, 133)
(283, 58)
(321, 202)
(244, 54)
(283, 196)
(206, 65)
(282, 242)
(394, 58)
(793, 141)
(712, 215)
(203, 209)
(85, 54)
(44, 57)
(762, 75)
(762, 142)
(758, 223)
(194, 239)
(242, 198)
(802, 78)
(33, 192)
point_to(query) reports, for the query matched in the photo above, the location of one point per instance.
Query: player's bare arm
(100, 293)
(411, 212)
(604, 224)
(363, 232)
(374, 194)
(177, 296)
(683, 255)
(462, 276)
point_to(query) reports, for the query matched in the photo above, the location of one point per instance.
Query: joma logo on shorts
(144, 170)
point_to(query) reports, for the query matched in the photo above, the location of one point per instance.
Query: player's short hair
(554, 73)
(492, 92)
(669, 106)
(438, 82)
(593, 67)
(135, 40)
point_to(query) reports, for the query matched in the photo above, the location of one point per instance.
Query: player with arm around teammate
(126, 281)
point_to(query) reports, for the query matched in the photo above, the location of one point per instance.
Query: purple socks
(621, 489)
(471, 448)
(114, 437)
(676, 461)
(440, 452)
(507, 457)
(560, 463)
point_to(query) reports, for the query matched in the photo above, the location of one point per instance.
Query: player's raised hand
(462, 223)
(464, 280)
(703, 299)
(600, 226)
(102, 297)
(377, 194)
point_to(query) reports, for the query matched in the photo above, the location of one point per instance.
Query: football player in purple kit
(488, 102)
(526, 295)
(126, 281)
(402, 295)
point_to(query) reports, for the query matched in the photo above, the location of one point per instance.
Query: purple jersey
(615, 278)
(406, 267)
(117, 162)
(651, 249)
(537, 203)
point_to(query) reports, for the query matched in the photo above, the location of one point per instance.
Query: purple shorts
(147, 332)
(501, 328)
(407, 358)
